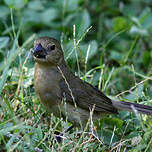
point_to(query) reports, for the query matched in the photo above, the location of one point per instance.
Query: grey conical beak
(39, 51)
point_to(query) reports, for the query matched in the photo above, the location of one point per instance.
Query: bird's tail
(132, 107)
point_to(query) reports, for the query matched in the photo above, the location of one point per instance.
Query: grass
(26, 126)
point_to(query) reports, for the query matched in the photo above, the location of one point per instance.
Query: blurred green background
(105, 42)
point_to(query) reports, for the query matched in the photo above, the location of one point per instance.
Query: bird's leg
(67, 130)
(60, 136)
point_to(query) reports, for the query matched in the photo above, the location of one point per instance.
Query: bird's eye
(52, 47)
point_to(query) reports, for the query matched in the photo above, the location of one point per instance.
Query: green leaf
(36, 5)
(83, 24)
(108, 137)
(15, 3)
(69, 51)
(20, 126)
(146, 58)
(147, 22)
(144, 15)
(92, 51)
(116, 56)
(48, 15)
(27, 17)
(113, 122)
(39, 132)
(4, 42)
(72, 5)
(136, 94)
(4, 11)
(137, 30)
(119, 23)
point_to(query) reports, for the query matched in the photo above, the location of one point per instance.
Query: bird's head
(47, 50)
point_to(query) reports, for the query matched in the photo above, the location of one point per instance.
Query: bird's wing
(86, 96)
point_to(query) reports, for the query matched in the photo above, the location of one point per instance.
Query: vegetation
(107, 43)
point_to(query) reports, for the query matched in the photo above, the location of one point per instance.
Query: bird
(66, 95)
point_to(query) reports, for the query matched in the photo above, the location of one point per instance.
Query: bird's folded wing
(86, 96)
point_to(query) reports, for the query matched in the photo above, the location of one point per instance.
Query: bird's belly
(76, 115)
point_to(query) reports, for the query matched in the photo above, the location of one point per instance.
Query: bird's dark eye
(52, 47)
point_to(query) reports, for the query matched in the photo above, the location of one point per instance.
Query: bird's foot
(59, 136)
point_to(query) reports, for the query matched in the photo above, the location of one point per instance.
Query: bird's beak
(39, 51)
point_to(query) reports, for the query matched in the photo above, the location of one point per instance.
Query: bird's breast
(45, 83)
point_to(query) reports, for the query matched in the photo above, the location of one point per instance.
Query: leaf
(48, 15)
(39, 132)
(146, 58)
(147, 23)
(20, 126)
(69, 18)
(113, 122)
(115, 56)
(107, 136)
(67, 6)
(15, 3)
(119, 23)
(136, 94)
(93, 49)
(83, 24)
(69, 51)
(144, 15)
(72, 5)
(27, 17)
(136, 30)
(36, 5)
(4, 42)
(4, 11)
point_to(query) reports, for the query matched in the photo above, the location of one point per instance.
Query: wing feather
(86, 96)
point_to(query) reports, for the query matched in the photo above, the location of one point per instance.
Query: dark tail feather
(128, 106)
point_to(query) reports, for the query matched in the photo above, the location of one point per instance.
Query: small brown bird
(65, 94)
